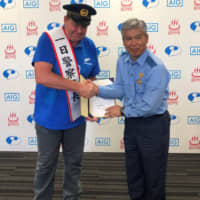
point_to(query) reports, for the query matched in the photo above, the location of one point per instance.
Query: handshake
(88, 89)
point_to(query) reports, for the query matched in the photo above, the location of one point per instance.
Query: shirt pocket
(139, 86)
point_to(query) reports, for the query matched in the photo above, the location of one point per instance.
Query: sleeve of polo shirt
(44, 51)
(115, 90)
(156, 92)
(96, 68)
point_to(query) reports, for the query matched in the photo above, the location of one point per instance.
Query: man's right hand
(88, 89)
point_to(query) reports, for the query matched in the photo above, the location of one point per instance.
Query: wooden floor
(103, 176)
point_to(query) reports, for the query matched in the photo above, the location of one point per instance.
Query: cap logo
(84, 12)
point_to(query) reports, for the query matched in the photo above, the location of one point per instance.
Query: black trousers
(146, 146)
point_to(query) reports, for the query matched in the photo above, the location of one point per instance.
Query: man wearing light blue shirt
(142, 81)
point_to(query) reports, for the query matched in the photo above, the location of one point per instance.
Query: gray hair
(134, 23)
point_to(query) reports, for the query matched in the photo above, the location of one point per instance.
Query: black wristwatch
(122, 111)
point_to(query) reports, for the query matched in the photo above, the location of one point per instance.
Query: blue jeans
(49, 141)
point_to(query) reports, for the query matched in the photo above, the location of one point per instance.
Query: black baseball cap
(80, 13)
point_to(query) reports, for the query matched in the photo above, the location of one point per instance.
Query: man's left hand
(113, 111)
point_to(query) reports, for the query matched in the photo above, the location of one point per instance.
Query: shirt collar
(140, 60)
(80, 44)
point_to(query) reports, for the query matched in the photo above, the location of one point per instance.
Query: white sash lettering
(68, 67)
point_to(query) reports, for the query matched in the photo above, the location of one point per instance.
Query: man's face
(135, 42)
(74, 31)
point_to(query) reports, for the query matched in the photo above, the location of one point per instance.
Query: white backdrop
(174, 29)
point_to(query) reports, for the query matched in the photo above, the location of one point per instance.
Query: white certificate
(96, 106)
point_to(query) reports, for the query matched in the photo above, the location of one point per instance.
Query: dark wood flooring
(103, 176)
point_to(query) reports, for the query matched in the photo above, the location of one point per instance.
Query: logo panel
(174, 3)
(103, 51)
(11, 96)
(103, 74)
(102, 28)
(174, 142)
(126, 5)
(195, 26)
(54, 5)
(13, 140)
(194, 97)
(9, 27)
(175, 74)
(150, 3)
(30, 3)
(152, 27)
(32, 140)
(173, 50)
(193, 120)
(196, 74)
(195, 50)
(7, 4)
(194, 143)
(10, 74)
(101, 3)
(102, 141)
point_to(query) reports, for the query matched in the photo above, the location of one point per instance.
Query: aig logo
(102, 141)
(8, 27)
(195, 50)
(193, 120)
(12, 96)
(174, 142)
(104, 74)
(152, 27)
(102, 3)
(32, 140)
(30, 74)
(174, 3)
(31, 3)
(175, 74)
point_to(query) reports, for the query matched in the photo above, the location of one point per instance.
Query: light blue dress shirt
(142, 84)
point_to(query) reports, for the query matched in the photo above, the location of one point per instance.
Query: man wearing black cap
(61, 56)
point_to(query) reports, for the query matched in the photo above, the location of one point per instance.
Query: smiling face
(135, 42)
(74, 31)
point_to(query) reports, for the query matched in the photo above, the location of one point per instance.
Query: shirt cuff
(102, 91)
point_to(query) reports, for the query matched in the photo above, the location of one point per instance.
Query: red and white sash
(68, 67)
